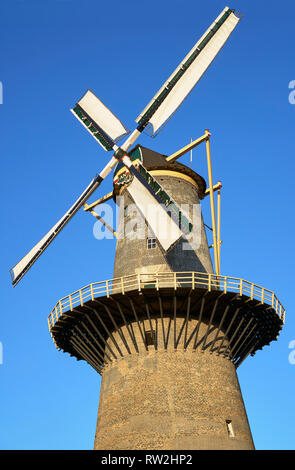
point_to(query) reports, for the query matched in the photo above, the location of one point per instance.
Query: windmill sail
(102, 124)
(188, 73)
(162, 225)
(20, 269)
(164, 217)
(162, 197)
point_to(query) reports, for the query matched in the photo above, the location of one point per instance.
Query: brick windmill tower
(168, 331)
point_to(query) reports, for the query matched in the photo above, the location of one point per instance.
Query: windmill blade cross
(155, 114)
(107, 129)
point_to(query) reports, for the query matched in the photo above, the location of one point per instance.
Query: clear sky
(51, 52)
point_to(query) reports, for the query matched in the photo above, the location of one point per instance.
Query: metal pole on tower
(209, 164)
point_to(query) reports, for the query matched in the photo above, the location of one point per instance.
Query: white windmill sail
(166, 220)
(189, 72)
(99, 120)
(29, 259)
(20, 269)
(162, 225)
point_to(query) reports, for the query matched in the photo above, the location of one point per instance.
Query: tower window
(150, 337)
(151, 243)
(230, 430)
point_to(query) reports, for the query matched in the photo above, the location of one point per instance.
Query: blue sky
(51, 52)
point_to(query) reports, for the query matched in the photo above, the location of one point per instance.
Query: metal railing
(194, 280)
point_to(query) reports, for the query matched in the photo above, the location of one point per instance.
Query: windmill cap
(152, 160)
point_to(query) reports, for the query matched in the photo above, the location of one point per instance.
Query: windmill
(107, 129)
(167, 332)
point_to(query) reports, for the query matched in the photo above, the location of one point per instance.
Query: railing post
(71, 303)
(252, 291)
(108, 293)
(193, 279)
(56, 313)
(60, 306)
(138, 279)
(225, 285)
(175, 281)
(157, 281)
(91, 290)
(209, 285)
(81, 297)
(122, 285)
(273, 299)
(241, 287)
(262, 295)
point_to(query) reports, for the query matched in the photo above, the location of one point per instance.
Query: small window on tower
(230, 430)
(149, 337)
(151, 243)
